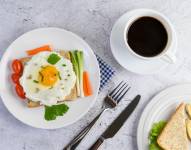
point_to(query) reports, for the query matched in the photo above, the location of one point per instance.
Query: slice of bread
(188, 110)
(71, 96)
(188, 128)
(174, 136)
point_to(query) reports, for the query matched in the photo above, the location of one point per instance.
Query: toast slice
(188, 127)
(188, 110)
(174, 136)
(71, 96)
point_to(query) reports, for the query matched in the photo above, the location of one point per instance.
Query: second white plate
(160, 108)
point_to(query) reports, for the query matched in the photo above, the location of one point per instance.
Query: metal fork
(110, 101)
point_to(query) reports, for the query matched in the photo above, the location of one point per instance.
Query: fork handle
(76, 141)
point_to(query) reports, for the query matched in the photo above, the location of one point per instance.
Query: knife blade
(117, 123)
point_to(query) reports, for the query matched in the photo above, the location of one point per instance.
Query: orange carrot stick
(86, 84)
(39, 49)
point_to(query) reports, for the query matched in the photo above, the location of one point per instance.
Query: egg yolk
(48, 76)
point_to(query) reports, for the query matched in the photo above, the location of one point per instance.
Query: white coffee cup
(167, 53)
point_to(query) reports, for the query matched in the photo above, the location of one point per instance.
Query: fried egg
(46, 81)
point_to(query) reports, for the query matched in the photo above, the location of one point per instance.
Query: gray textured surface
(92, 20)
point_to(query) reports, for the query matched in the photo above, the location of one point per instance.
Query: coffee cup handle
(169, 57)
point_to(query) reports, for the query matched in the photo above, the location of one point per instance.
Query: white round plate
(59, 39)
(123, 55)
(160, 108)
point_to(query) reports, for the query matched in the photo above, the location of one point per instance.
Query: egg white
(47, 95)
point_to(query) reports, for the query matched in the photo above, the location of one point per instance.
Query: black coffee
(147, 37)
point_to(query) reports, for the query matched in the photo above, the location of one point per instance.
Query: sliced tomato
(15, 78)
(19, 90)
(17, 66)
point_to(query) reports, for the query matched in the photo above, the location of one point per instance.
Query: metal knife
(117, 123)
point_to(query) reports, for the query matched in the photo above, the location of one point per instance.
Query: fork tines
(119, 92)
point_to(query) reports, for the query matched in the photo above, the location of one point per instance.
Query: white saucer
(123, 55)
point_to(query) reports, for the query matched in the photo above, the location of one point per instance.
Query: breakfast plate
(125, 57)
(60, 39)
(160, 108)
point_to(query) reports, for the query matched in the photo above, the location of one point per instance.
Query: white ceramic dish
(59, 39)
(160, 108)
(125, 57)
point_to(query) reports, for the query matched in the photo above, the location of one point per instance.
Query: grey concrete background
(92, 20)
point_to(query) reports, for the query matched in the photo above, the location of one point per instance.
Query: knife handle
(96, 145)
